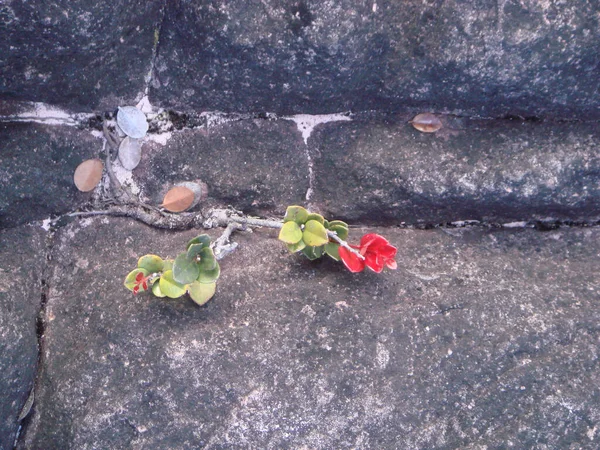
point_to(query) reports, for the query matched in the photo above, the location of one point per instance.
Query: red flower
(140, 281)
(377, 253)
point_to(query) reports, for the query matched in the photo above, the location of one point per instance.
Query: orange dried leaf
(426, 122)
(88, 174)
(178, 199)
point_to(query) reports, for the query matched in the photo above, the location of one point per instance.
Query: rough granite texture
(83, 55)
(22, 256)
(256, 165)
(480, 339)
(487, 57)
(37, 163)
(495, 171)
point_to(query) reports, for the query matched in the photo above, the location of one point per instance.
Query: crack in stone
(28, 410)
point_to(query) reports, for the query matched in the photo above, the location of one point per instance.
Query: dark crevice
(29, 408)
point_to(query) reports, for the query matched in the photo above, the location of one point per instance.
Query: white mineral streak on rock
(46, 114)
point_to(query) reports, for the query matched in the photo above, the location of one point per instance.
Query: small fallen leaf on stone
(178, 199)
(426, 122)
(88, 174)
(130, 152)
(132, 121)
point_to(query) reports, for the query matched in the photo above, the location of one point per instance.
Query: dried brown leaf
(88, 174)
(426, 122)
(178, 199)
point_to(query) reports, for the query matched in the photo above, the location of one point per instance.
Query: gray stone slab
(83, 55)
(22, 252)
(37, 163)
(479, 339)
(488, 58)
(495, 171)
(253, 165)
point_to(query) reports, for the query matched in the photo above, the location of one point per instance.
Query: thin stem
(333, 235)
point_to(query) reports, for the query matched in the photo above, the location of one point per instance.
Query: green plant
(194, 272)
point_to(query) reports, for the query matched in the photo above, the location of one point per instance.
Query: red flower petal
(351, 261)
(139, 277)
(135, 289)
(374, 262)
(145, 285)
(372, 240)
(391, 264)
(388, 251)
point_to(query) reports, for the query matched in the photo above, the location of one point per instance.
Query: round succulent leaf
(195, 250)
(178, 199)
(156, 290)
(208, 276)
(290, 233)
(151, 263)
(318, 217)
(293, 248)
(326, 224)
(88, 174)
(132, 121)
(201, 292)
(167, 264)
(130, 281)
(426, 122)
(296, 214)
(314, 234)
(169, 286)
(312, 253)
(130, 152)
(333, 250)
(341, 232)
(203, 239)
(185, 270)
(207, 259)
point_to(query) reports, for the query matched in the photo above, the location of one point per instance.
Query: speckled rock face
(493, 171)
(489, 58)
(22, 252)
(84, 55)
(37, 163)
(478, 339)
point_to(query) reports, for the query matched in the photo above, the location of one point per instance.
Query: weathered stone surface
(497, 171)
(37, 163)
(487, 57)
(84, 55)
(253, 165)
(479, 339)
(22, 252)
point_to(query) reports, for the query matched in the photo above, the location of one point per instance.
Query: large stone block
(494, 171)
(478, 339)
(37, 163)
(23, 256)
(488, 58)
(84, 55)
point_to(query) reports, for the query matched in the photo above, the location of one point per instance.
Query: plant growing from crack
(196, 270)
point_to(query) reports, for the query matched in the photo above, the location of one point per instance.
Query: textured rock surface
(254, 165)
(37, 163)
(487, 58)
(84, 55)
(22, 252)
(498, 171)
(481, 338)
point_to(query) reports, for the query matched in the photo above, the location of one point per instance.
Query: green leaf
(185, 270)
(169, 286)
(290, 233)
(194, 250)
(203, 239)
(313, 253)
(341, 228)
(201, 292)
(209, 276)
(314, 234)
(333, 250)
(156, 290)
(326, 224)
(151, 263)
(293, 248)
(130, 278)
(318, 217)
(167, 264)
(207, 259)
(295, 214)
